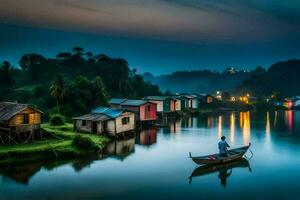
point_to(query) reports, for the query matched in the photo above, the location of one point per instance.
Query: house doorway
(95, 127)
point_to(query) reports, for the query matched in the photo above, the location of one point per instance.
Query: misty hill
(282, 78)
(203, 81)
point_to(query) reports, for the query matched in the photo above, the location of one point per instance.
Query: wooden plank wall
(125, 127)
(34, 117)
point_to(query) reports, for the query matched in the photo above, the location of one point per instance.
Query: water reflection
(119, 149)
(220, 128)
(224, 170)
(289, 120)
(245, 121)
(146, 137)
(167, 163)
(175, 126)
(232, 127)
(22, 173)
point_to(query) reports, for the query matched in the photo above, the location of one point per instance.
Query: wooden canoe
(232, 155)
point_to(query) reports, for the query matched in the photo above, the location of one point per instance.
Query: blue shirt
(223, 147)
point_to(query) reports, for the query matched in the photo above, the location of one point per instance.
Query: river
(155, 163)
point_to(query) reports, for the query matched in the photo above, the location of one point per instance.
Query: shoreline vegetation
(59, 142)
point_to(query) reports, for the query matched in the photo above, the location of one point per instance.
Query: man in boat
(223, 145)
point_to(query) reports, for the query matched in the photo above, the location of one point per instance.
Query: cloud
(188, 20)
(285, 11)
(80, 6)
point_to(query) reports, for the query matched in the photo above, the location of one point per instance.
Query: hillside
(204, 81)
(281, 77)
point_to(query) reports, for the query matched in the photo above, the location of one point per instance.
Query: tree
(59, 89)
(64, 55)
(78, 50)
(89, 54)
(100, 93)
(28, 62)
(35, 66)
(6, 78)
(168, 93)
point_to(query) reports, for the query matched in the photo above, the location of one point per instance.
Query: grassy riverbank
(58, 144)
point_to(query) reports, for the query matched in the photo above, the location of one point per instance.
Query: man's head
(223, 138)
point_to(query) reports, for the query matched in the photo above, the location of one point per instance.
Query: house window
(125, 120)
(83, 123)
(32, 118)
(26, 119)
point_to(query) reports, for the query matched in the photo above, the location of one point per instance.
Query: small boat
(232, 155)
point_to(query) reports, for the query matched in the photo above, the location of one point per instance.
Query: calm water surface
(156, 165)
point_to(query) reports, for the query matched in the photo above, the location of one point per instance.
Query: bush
(84, 143)
(57, 120)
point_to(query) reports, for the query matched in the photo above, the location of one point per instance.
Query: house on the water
(165, 104)
(205, 98)
(296, 102)
(178, 101)
(190, 101)
(145, 111)
(19, 120)
(109, 121)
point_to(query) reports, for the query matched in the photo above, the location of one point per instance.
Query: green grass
(66, 131)
(59, 145)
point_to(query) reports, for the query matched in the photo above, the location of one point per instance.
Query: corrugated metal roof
(9, 110)
(117, 101)
(110, 112)
(93, 117)
(128, 102)
(134, 102)
(188, 96)
(177, 97)
(157, 98)
(202, 95)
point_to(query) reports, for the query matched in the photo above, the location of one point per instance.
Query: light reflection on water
(155, 163)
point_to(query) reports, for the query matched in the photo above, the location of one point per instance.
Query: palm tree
(59, 89)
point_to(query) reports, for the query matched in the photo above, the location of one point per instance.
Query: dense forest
(204, 81)
(72, 83)
(281, 78)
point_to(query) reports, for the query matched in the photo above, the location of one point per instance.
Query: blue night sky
(159, 36)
